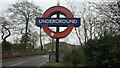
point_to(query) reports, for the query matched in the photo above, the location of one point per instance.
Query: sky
(4, 4)
(45, 4)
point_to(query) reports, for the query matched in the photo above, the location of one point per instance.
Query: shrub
(6, 46)
(103, 51)
(78, 56)
(67, 55)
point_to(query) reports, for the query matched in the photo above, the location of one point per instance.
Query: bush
(103, 51)
(78, 56)
(67, 55)
(6, 46)
(74, 55)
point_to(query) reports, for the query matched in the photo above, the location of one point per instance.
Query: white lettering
(57, 21)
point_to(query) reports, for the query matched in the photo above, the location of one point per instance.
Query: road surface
(33, 61)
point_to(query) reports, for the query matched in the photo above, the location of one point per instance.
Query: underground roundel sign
(47, 21)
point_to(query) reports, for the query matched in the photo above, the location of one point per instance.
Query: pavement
(32, 61)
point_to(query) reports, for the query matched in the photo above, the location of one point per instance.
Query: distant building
(63, 45)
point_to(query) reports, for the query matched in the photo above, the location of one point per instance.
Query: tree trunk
(85, 30)
(26, 28)
(78, 37)
(5, 45)
(41, 39)
(9, 33)
(91, 31)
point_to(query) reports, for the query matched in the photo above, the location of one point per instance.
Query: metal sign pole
(47, 16)
(57, 10)
(58, 2)
(57, 42)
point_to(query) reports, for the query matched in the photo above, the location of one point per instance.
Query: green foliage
(103, 51)
(17, 47)
(75, 55)
(78, 56)
(67, 55)
(29, 41)
(6, 46)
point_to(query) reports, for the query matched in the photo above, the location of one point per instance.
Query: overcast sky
(4, 4)
(45, 4)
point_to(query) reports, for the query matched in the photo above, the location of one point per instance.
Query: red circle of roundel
(57, 34)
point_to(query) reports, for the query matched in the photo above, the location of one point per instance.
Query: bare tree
(5, 28)
(110, 15)
(23, 14)
(77, 31)
(85, 31)
(97, 19)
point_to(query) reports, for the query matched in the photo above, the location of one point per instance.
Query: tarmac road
(33, 61)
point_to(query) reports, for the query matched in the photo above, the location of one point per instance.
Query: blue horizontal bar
(53, 22)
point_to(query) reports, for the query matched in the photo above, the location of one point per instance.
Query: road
(33, 61)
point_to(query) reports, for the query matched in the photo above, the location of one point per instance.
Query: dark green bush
(6, 46)
(104, 51)
(67, 55)
(75, 56)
